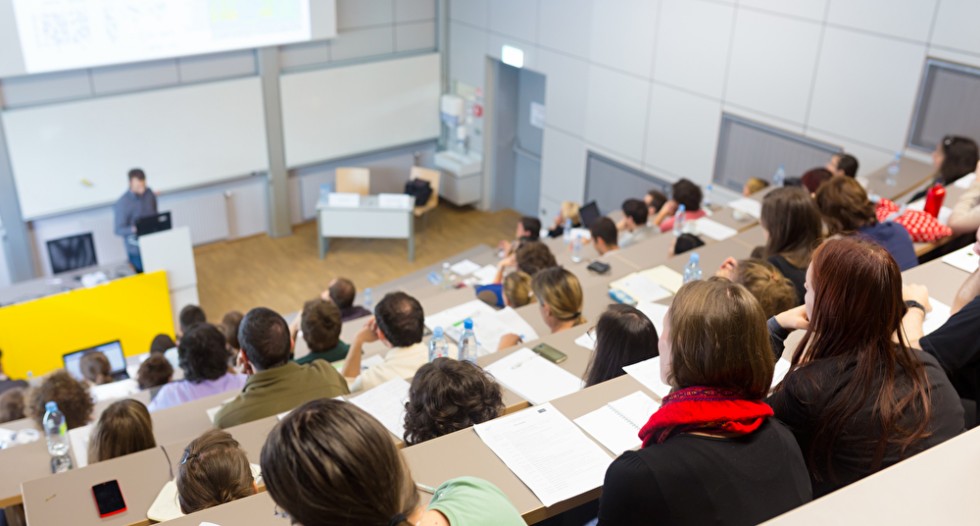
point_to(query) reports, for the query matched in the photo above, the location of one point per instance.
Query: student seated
(342, 292)
(214, 470)
(634, 226)
(5, 381)
(398, 323)
(813, 179)
(154, 372)
(320, 324)
(96, 368)
(569, 211)
(448, 395)
(847, 211)
(528, 229)
(559, 295)
(605, 237)
(329, 462)
(954, 157)
(655, 200)
(190, 315)
(683, 192)
(763, 280)
(230, 323)
(517, 289)
(685, 243)
(529, 258)
(204, 360)
(792, 227)
(753, 185)
(124, 427)
(843, 164)
(73, 398)
(856, 400)
(712, 453)
(275, 383)
(966, 210)
(162, 343)
(12, 404)
(623, 336)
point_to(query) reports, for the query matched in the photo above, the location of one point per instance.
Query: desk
(256, 510)
(41, 287)
(369, 220)
(911, 175)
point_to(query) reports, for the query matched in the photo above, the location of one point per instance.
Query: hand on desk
(508, 340)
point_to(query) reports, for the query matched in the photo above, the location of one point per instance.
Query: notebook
(617, 424)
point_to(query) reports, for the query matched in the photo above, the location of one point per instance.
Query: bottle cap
(51, 406)
(681, 208)
(437, 332)
(695, 258)
(468, 324)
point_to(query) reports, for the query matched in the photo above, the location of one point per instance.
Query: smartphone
(550, 353)
(598, 267)
(109, 499)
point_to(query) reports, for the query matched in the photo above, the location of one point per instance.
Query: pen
(428, 489)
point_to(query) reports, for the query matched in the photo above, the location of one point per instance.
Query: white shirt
(399, 362)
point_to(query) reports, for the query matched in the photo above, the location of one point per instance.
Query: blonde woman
(560, 299)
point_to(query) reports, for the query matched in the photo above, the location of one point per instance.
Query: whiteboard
(76, 155)
(338, 112)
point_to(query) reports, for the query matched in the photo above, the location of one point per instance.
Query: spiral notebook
(617, 424)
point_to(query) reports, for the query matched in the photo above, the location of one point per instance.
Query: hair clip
(187, 456)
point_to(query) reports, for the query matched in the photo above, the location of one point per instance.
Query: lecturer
(137, 203)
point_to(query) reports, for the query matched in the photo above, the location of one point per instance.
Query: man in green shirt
(320, 323)
(275, 383)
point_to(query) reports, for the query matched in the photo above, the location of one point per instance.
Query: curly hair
(73, 398)
(448, 395)
(201, 353)
(533, 256)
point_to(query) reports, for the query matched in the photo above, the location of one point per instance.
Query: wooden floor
(284, 272)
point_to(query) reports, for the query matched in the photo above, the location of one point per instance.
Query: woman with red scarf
(712, 453)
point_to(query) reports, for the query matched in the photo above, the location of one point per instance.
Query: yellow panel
(35, 335)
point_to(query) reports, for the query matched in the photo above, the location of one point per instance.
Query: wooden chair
(354, 180)
(433, 177)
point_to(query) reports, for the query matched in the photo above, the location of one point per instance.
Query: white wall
(645, 81)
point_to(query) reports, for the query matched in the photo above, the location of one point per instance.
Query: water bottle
(447, 276)
(706, 202)
(368, 302)
(680, 216)
(891, 179)
(692, 271)
(567, 231)
(438, 347)
(779, 178)
(577, 249)
(467, 342)
(56, 433)
(934, 200)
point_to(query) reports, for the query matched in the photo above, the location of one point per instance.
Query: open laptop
(153, 224)
(112, 350)
(589, 214)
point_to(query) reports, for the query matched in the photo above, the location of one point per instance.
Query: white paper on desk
(547, 452)
(617, 424)
(485, 275)
(944, 212)
(214, 410)
(647, 373)
(454, 316)
(464, 268)
(748, 206)
(581, 233)
(115, 390)
(394, 201)
(78, 439)
(655, 312)
(533, 378)
(714, 229)
(964, 259)
(350, 200)
(935, 319)
(666, 277)
(386, 402)
(640, 288)
(586, 340)
(965, 181)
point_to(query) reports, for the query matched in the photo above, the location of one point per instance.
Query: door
(518, 135)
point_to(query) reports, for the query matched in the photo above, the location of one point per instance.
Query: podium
(172, 251)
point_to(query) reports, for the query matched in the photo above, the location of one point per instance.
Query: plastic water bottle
(467, 342)
(891, 179)
(706, 202)
(692, 271)
(577, 249)
(447, 276)
(438, 346)
(56, 433)
(368, 302)
(567, 231)
(779, 178)
(680, 216)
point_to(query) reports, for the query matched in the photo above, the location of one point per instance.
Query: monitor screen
(589, 213)
(72, 253)
(112, 350)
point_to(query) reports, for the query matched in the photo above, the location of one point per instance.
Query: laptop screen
(153, 224)
(112, 350)
(589, 214)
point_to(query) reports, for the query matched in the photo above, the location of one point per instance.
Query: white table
(367, 220)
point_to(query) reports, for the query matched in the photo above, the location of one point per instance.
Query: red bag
(920, 225)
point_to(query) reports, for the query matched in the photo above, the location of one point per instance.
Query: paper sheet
(616, 425)
(547, 452)
(935, 319)
(748, 206)
(714, 229)
(464, 267)
(965, 181)
(78, 439)
(115, 390)
(532, 377)
(489, 325)
(666, 277)
(640, 288)
(371, 361)
(647, 373)
(782, 367)
(485, 275)
(454, 316)
(386, 402)
(586, 340)
(656, 313)
(964, 259)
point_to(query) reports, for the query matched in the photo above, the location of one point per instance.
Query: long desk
(367, 220)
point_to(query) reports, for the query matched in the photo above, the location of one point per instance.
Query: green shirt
(469, 501)
(273, 391)
(339, 352)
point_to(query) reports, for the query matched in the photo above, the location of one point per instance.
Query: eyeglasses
(279, 513)
(591, 334)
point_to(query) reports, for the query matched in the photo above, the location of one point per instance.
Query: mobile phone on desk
(598, 267)
(550, 353)
(108, 499)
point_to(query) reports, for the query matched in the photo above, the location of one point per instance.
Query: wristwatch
(912, 304)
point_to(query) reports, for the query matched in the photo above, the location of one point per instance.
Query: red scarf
(704, 409)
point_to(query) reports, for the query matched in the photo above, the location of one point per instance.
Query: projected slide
(69, 34)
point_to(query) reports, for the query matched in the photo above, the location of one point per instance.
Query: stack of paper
(964, 259)
(485, 275)
(646, 286)
(386, 402)
(489, 325)
(714, 229)
(547, 452)
(935, 319)
(464, 268)
(533, 378)
(617, 424)
(747, 206)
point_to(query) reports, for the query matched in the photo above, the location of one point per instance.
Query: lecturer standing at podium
(138, 202)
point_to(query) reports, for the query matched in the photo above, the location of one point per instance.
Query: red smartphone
(109, 499)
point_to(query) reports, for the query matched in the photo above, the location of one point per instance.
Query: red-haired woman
(856, 400)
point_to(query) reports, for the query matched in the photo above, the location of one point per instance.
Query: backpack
(420, 189)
